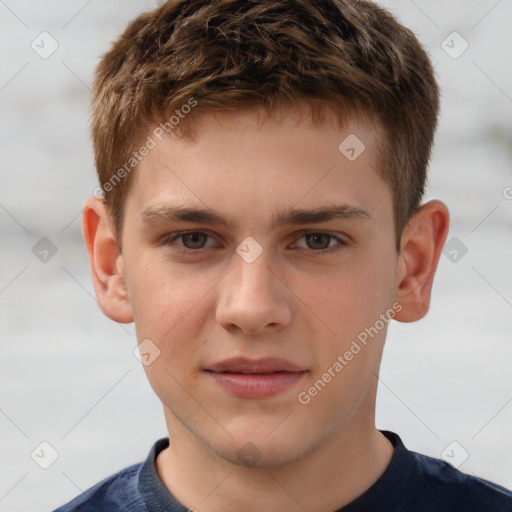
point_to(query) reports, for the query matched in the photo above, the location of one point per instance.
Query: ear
(107, 267)
(421, 244)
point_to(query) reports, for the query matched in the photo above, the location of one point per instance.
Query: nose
(253, 298)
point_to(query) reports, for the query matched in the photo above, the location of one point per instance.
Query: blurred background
(75, 405)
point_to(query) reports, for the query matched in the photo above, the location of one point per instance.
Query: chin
(260, 447)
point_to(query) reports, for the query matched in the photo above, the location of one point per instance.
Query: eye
(321, 242)
(192, 241)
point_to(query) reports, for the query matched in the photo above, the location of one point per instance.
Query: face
(291, 260)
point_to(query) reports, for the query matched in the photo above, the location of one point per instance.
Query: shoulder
(446, 488)
(112, 494)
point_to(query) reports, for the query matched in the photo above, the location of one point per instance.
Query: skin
(293, 302)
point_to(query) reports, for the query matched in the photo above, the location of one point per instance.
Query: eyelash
(170, 239)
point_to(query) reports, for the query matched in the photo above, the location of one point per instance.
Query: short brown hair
(343, 55)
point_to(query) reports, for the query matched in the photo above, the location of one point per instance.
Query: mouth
(261, 378)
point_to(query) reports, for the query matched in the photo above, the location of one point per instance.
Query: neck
(324, 480)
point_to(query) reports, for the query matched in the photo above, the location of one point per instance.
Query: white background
(68, 374)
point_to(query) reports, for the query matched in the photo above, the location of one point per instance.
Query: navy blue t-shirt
(411, 483)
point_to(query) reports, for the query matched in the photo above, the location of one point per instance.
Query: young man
(262, 164)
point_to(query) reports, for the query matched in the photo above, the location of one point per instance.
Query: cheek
(350, 304)
(349, 300)
(166, 299)
(170, 308)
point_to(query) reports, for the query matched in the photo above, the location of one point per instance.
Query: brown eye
(194, 240)
(318, 241)
(188, 242)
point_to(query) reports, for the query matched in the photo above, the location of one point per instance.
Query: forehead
(242, 164)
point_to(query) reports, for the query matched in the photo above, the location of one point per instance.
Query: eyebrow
(170, 213)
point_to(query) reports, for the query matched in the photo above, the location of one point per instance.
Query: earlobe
(422, 242)
(108, 273)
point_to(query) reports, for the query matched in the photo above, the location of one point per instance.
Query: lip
(255, 378)
(263, 365)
